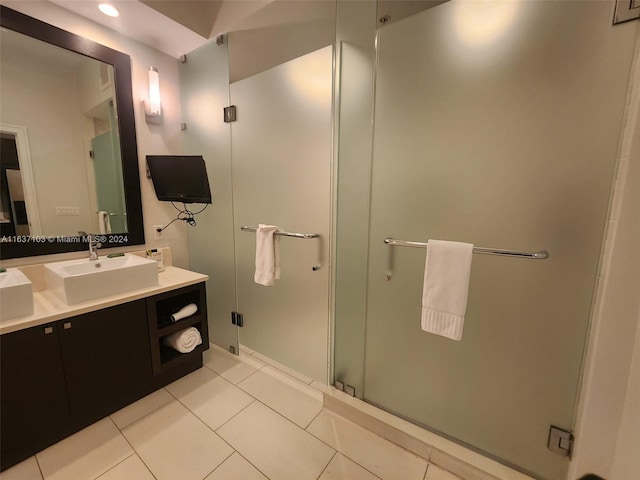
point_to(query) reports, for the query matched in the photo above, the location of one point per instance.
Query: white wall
(152, 139)
(608, 423)
(626, 461)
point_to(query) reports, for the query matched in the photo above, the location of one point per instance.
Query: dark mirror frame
(18, 22)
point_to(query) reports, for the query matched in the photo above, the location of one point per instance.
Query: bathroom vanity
(81, 338)
(65, 367)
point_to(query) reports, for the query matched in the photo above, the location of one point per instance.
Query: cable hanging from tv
(180, 178)
(185, 215)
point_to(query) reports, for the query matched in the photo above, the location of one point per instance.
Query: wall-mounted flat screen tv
(179, 178)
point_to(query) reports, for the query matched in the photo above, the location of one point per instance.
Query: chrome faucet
(94, 245)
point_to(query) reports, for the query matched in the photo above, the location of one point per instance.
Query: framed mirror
(69, 152)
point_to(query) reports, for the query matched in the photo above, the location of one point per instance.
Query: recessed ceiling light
(109, 10)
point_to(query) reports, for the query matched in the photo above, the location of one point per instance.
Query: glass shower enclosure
(270, 165)
(494, 123)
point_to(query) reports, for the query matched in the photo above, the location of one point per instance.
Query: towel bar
(248, 228)
(541, 255)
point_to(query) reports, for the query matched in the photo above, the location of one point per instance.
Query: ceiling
(262, 33)
(174, 27)
(177, 27)
(147, 25)
(197, 15)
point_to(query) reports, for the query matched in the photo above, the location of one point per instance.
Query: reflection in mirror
(17, 215)
(69, 158)
(64, 104)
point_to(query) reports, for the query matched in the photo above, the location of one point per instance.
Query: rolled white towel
(184, 312)
(184, 341)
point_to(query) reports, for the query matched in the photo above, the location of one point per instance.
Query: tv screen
(179, 178)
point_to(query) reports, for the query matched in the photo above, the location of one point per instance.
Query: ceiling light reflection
(482, 22)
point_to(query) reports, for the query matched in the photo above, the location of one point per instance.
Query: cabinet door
(107, 359)
(33, 407)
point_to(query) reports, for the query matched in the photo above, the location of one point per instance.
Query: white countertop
(49, 308)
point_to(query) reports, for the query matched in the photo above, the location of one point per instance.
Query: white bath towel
(104, 222)
(267, 255)
(446, 287)
(184, 341)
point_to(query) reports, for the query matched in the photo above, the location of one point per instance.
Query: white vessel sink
(76, 281)
(16, 295)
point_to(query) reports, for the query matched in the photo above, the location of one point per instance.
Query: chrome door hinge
(237, 319)
(230, 114)
(348, 389)
(560, 441)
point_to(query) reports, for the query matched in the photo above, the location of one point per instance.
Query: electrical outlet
(157, 232)
(67, 211)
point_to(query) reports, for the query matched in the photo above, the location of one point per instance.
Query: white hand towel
(446, 287)
(104, 222)
(267, 255)
(184, 341)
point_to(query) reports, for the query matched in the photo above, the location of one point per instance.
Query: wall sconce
(152, 106)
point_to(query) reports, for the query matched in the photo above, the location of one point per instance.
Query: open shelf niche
(159, 311)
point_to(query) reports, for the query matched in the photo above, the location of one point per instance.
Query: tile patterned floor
(236, 418)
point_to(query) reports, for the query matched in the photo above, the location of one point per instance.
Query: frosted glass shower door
(497, 124)
(204, 92)
(107, 167)
(108, 180)
(281, 148)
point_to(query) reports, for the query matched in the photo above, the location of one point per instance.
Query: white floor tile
(212, 398)
(374, 453)
(294, 382)
(250, 357)
(134, 412)
(436, 473)
(342, 468)
(26, 470)
(85, 454)
(131, 468)
(283, 368)
(175, 444)
(277, 447)
(234, 368)
(236, 468)
(298, 402)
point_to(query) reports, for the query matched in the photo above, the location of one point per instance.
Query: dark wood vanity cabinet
(106, 358)
(32, 392)
(60, 377)
(63, 376)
